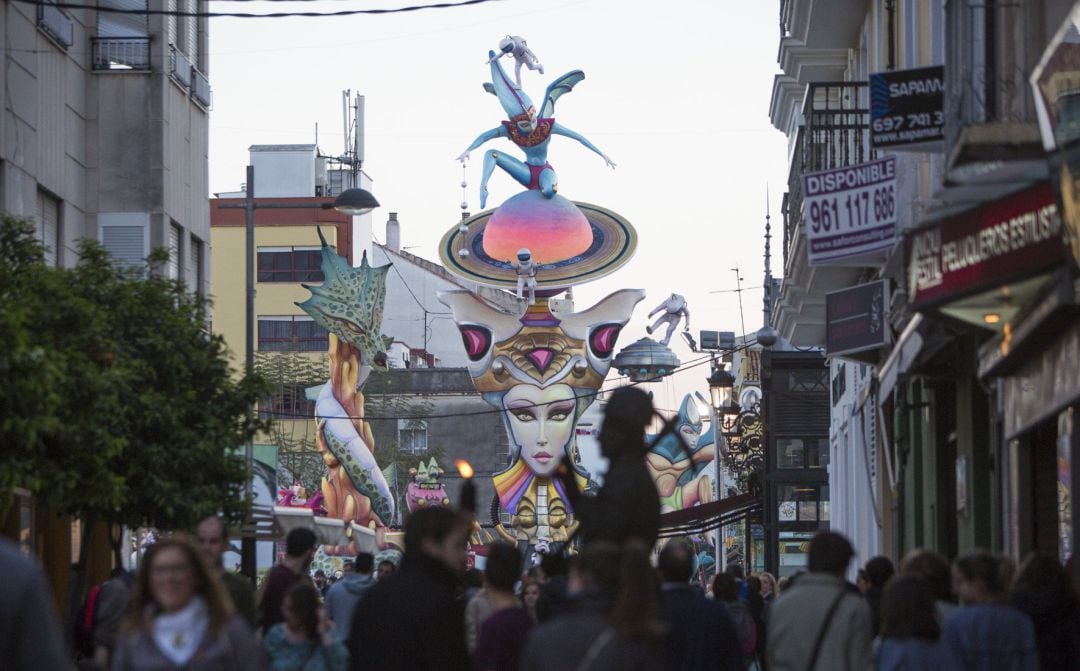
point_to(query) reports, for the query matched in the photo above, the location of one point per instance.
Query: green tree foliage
(116, 403)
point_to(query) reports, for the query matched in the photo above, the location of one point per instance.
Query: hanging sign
(850, 212)
(907, 108)
(855, 319)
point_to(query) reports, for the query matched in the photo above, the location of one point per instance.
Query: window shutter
(48, 226)
(125, 242)
(174, 252)
(113, 24)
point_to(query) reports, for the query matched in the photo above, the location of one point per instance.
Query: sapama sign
(1015, 237)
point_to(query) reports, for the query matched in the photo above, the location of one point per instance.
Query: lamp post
(721, 397)
(352, 202)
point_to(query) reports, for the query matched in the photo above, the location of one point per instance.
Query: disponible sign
(907, 108)
(850, 212)
(855, 319)
(992, 245)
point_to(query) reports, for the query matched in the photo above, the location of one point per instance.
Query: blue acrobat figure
(528, 131)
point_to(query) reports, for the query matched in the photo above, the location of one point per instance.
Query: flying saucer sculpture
(645, 361)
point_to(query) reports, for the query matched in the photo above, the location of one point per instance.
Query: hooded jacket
(341, 600)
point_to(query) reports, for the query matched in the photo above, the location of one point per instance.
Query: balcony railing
(835, 133)
(179, 67)
(200, 88)
(121, 53)
(56, 24)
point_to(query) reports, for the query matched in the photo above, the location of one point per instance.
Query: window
(176, 249)
(198, 263)
(808, 380)
(291, 334)
(131, 22)
(55, 23)
(125, 237)
(48, 226)
(802, 453)
(839, 383)
(290, 264)
(803, 503)
(412, 436)
(289, 402)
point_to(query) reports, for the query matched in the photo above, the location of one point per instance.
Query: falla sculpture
(544, 364)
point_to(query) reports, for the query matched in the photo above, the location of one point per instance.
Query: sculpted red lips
(543, 457)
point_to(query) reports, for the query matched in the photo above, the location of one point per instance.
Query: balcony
(200, 89)
(121, 53)
(56, 24)
(835, 133)
(179, 67)
(991, 129)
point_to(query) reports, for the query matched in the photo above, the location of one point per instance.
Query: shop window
(290, 264)
(803, 503)
(802, 453)
(291, 334)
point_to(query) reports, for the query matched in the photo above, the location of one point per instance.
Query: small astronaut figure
(674, 308)
(526, 274)
(516, 46)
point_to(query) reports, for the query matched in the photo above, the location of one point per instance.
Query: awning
(904, 353)
(708, 516)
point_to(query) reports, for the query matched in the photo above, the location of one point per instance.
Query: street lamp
(721, 395)
(353, 202)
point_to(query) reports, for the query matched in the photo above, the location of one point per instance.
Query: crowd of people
(615, 604)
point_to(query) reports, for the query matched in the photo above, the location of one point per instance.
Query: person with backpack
(102, 613)
(819, 621)
(726, 591)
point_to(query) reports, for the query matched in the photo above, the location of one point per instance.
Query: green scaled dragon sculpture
(349, 305)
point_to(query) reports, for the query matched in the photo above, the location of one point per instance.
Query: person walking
(910, 633)
(769, 589)
(878, 572)
(342, 599)
(935, 570)
(701, 635)
(30, 637)
(726, 588)
(181, 617)
(817, 622)
(984, 634)
(413, 620)
(611, 622)
(1044, 591)
(502, 634)
(530, 596)
(299, 551)
(213, 540)
(303, 641)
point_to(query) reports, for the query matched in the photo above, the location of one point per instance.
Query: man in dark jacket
(701, 634)
(414, 620)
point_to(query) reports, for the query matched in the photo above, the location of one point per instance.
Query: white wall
(853, 463)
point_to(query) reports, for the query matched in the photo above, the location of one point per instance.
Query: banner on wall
(850, 213)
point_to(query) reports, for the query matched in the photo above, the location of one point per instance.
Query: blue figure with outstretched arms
(530, 132)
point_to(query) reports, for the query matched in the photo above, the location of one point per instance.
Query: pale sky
(676, 92)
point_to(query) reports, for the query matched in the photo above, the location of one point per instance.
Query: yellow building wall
(228, 289)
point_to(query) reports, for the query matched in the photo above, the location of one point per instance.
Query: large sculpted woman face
(542, 423)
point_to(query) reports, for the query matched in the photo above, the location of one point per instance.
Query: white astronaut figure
(674, 309)
(516, 46)
(526, 274)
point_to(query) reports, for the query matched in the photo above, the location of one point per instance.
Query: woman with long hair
(181, 617)
(303, 641)
(909, 628)
(1045, 592)
(769, 590)
(530, 596)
